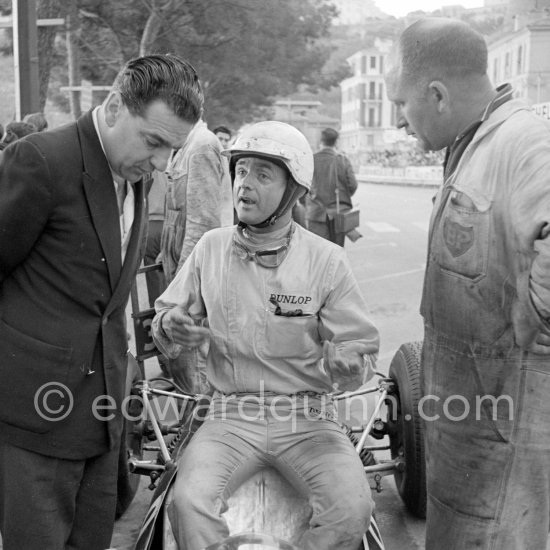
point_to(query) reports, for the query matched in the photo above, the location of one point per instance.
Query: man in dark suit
(72, 230)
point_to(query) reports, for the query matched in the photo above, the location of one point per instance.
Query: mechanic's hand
(346, 366)
(182, 330)
(541, 345)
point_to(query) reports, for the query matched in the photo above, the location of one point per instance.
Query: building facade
(303, 115)
(517, 54)
(368, 117)
(520, 56)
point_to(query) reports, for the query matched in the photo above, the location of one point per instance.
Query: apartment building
(368, 118)
(517, 54)
(520, 56)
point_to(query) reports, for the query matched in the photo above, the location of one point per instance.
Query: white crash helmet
(279, 141)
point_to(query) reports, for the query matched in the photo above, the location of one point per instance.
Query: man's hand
(346, 366)
(541, 345)
(182, 330)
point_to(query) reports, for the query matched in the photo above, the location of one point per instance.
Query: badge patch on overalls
(458, 238)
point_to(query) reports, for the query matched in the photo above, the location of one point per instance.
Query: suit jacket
(63, 292)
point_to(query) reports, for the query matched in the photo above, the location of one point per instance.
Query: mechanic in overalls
(287, 325)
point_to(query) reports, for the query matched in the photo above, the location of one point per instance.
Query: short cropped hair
(434, 48)
(329, 137)
(162, 77)
(16, 130)
(38, 120)
(222, 129)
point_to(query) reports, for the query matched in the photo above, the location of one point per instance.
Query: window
(381, 64)
(363, 64)
(507, 65)
(519, 65)
(372, 113)
(372, 90)
(362, 105)
(495, 71)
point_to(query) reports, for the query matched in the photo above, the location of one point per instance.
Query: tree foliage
(247, 52)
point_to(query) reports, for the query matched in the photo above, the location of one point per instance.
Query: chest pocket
(463, 235)
(291, 326)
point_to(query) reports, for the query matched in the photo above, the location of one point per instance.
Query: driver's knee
(352, 515)
(348, 515)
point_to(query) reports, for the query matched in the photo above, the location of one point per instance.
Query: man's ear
(439, 94)
(113, 108)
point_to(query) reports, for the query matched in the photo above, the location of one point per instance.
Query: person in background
(333, 172)
(16, 130)
(38, 120)
(224, 135)
(486, 297)
(198, 199)
(73, 216)
(268, 357)
(155, 280)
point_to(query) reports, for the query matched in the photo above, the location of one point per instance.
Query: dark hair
(222, 129)
(329, 137)
(162, 77)
(38, 120)
(434, 48)
(16, 130)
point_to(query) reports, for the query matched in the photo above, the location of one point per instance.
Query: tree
(249, 51)
(46, 9)
(246, 52)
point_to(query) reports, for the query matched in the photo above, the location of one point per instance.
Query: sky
(399, 8)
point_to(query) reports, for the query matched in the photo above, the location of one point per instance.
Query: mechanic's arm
(350, 340)
(204, 197)
(180, 310)
(25, 203)
(530, 208)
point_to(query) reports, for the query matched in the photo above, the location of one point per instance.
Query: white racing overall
(254, 352)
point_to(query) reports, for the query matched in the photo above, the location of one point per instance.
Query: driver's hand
(346, 366)
(182, 330)
(541, 345)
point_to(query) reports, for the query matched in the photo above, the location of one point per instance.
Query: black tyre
(405, 427)
(131, 445)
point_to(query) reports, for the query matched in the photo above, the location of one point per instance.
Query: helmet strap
(292, 193)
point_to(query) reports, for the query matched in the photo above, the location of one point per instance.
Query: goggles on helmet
(270, 258)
